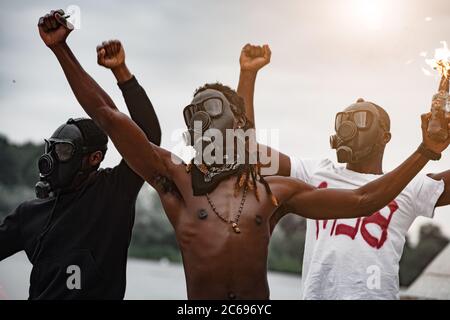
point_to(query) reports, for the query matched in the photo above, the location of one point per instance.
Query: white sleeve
(303, 169)
(426, 192)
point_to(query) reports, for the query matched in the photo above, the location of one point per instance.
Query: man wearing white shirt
(352, 258)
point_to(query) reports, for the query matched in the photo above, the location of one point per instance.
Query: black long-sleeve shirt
(90, 229)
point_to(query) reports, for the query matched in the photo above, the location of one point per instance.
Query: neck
(80, 180)
(373, 165)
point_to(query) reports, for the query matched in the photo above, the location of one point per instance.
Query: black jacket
(89, 229)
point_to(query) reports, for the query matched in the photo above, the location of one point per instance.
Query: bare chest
(223, 221)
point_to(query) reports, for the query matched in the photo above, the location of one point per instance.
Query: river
(146, 279)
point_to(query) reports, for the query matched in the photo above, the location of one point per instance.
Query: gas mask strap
(38, 249)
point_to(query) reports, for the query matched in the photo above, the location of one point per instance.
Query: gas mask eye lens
(64, 151)
(338, 121)
(47, 146)
(361, 119)
(213, 106)
(187, 114)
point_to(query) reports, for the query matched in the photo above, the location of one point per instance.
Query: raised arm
(143, 157)
(111, 55)
(444, 199)
(252, 59)
(316, 203)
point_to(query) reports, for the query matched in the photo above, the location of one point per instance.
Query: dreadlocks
(248, 174)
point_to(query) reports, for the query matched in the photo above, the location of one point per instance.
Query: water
(145, 280)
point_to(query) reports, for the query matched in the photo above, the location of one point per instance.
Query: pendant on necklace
(235, 227)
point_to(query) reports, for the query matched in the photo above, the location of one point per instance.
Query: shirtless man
(221, 214)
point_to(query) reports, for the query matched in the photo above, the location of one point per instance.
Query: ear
(240, 122)
(386, 137)
(95, 158)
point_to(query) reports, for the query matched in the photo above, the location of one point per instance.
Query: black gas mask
(63, 157)
(208, 114)
(358, 132)
(208, 118)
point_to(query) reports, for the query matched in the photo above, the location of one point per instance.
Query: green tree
(18, 173)
(153, 236)
(415, 259)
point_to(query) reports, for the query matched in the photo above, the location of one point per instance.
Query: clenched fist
(54, 28)
(254, 58)
(431, 144)
(111, 54)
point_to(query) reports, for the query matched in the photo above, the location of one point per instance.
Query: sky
(325, 55)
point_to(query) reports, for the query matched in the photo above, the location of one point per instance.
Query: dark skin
(219, 263)
(253, 58)
(89, 161)
(111, 55)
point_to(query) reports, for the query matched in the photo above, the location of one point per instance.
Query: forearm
(246, 89)
(89, 94)
(122, 73)
(330, 203)
(444, 199)
(376, 194)
(141, 109)
(125, 134)
(270, 157)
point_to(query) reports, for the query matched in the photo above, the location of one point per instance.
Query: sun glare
(369, 13)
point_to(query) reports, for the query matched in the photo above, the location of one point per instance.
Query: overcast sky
(326, 54)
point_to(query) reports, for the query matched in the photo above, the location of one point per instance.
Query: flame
(441, 60)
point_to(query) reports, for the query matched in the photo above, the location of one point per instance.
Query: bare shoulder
(178, 180)
(173, 163)
(175, 187)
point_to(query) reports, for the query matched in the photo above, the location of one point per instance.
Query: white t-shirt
(359, 258)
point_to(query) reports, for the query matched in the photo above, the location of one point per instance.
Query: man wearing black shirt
(77, 239)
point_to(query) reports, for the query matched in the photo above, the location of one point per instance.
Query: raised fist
(54, 28)
(432, 144)
(254, 58)
(111, 54)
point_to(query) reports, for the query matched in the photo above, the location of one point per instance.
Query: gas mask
(358, 130)
(207, 118)
(62, 159)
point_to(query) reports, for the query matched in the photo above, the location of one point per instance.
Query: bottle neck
(444, 84)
